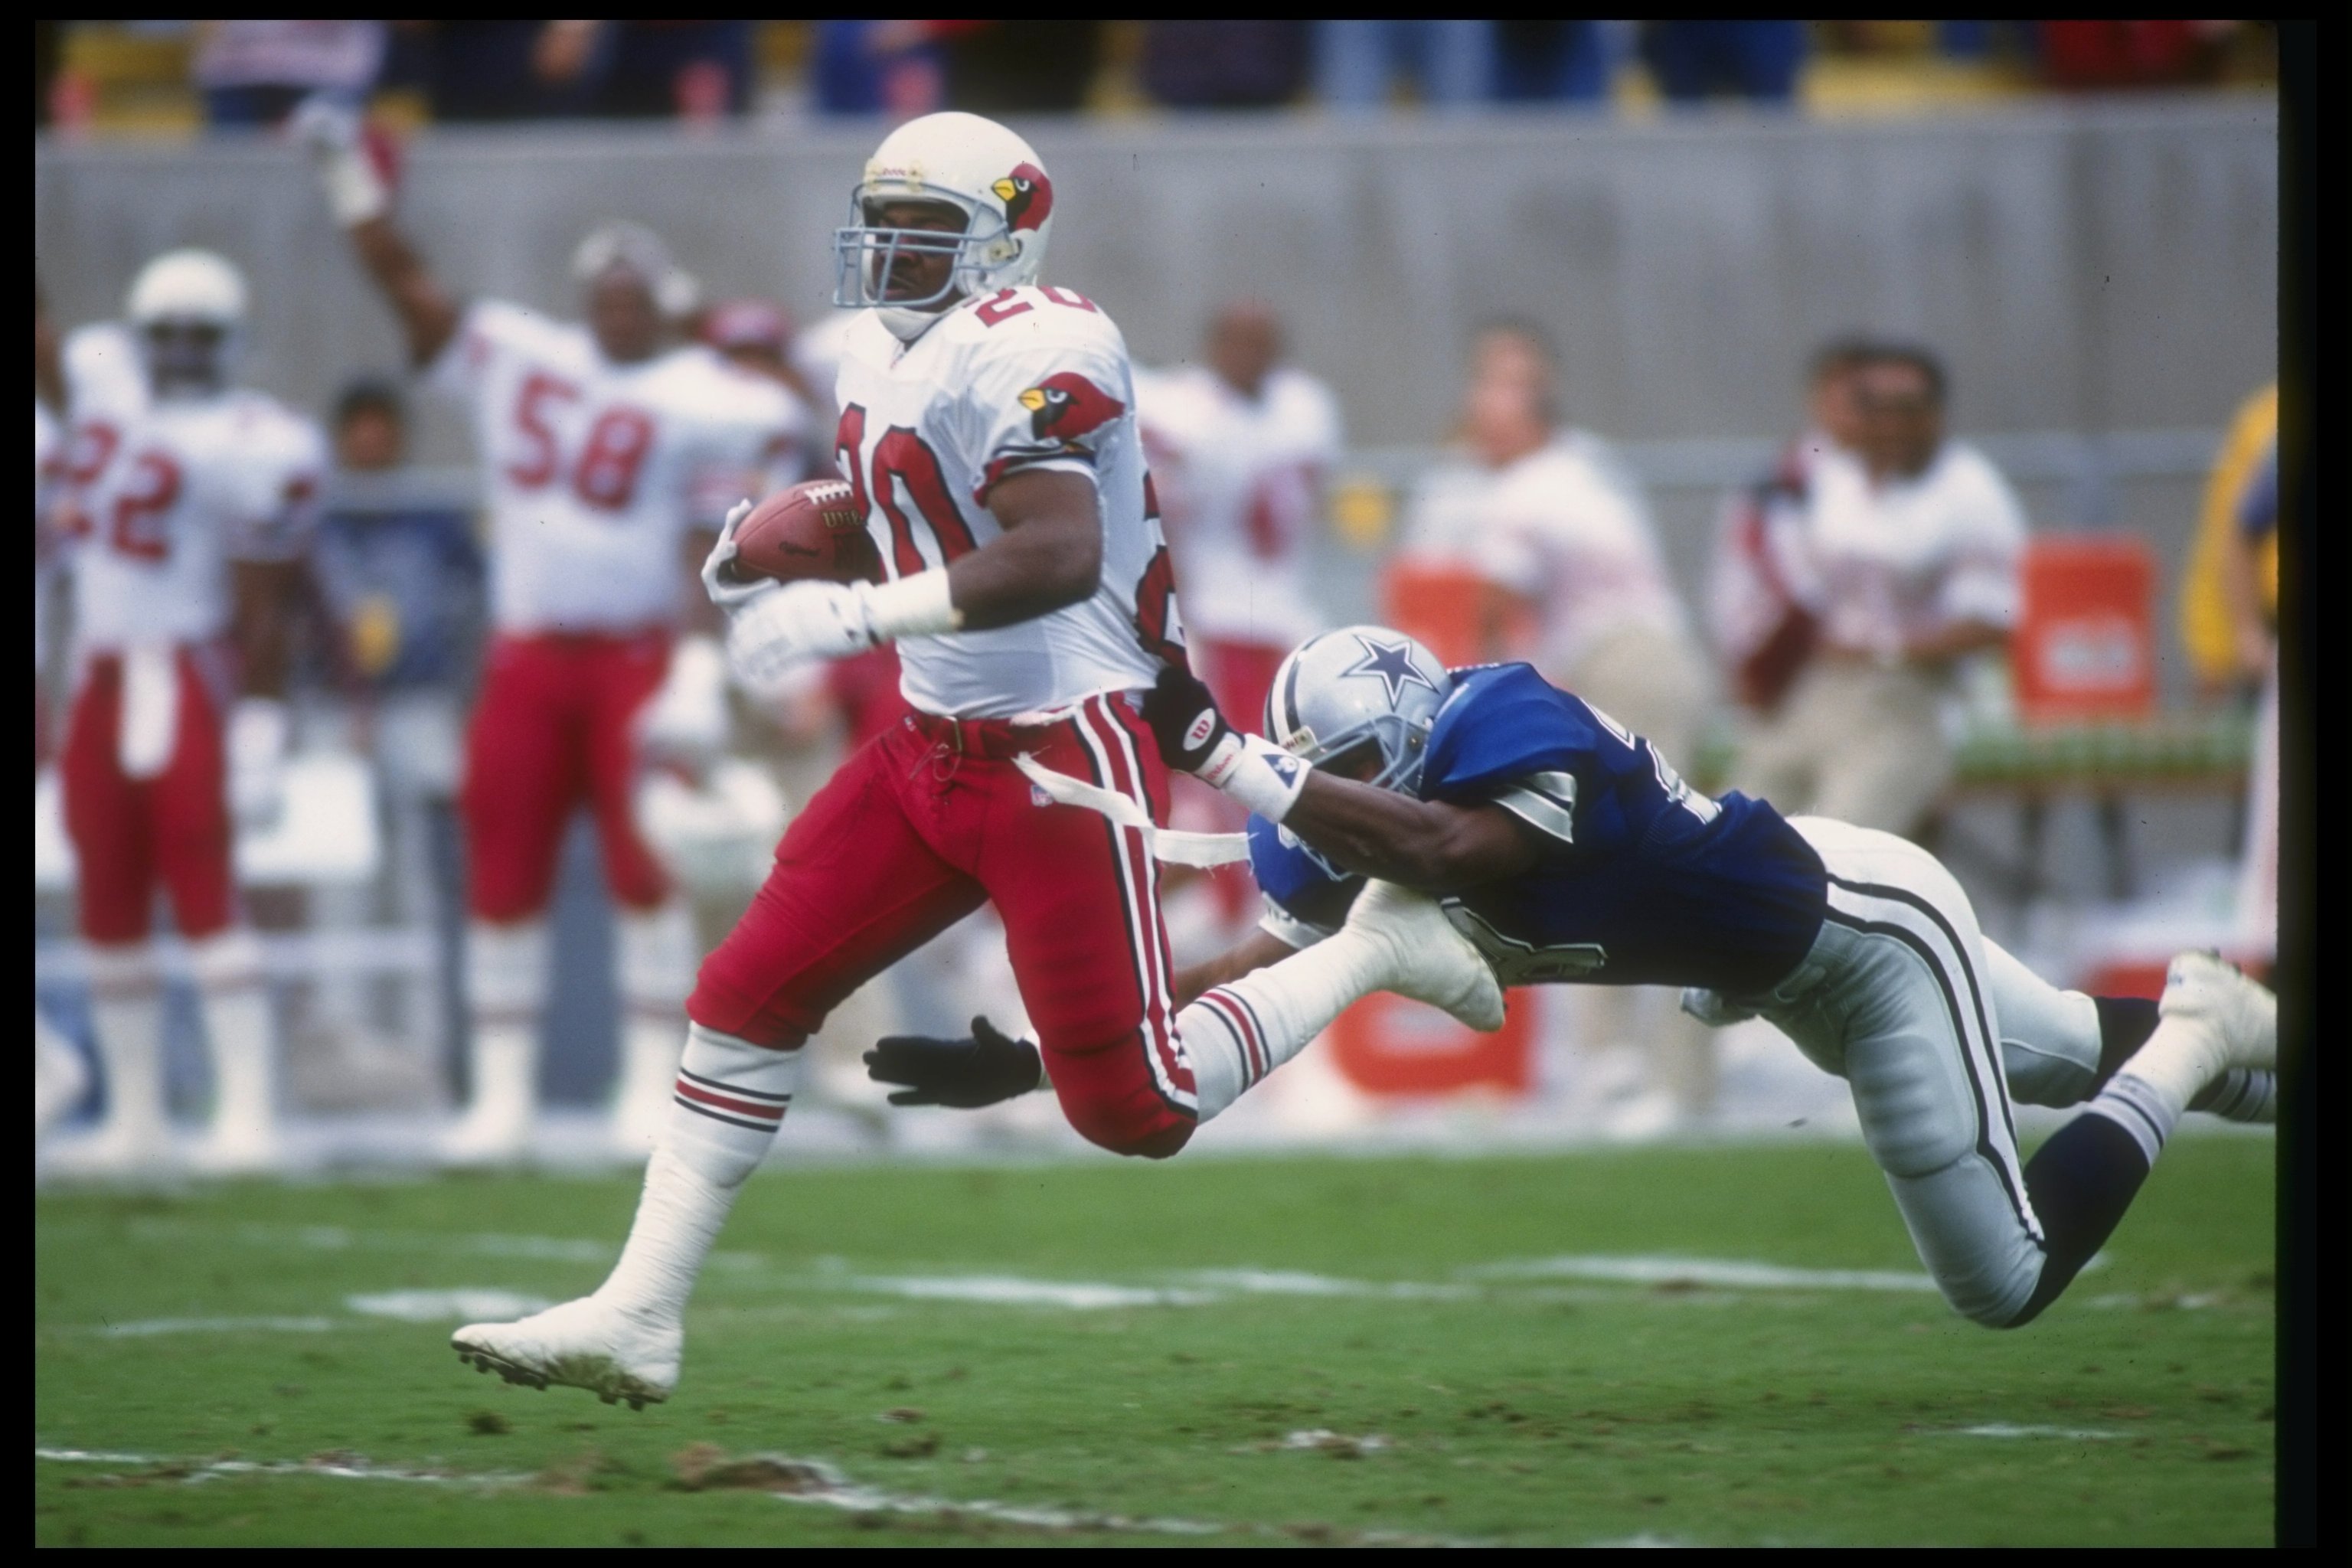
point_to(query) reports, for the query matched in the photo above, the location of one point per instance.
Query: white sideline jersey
(1022, 379)
(48, 456)
(1241, 479)
(593, 471)
(165, 500)
(1907, 558)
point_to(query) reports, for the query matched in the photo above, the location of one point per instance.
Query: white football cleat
(587, 1343)
(1427, 959)
(489, 1134)
(2240, 1014)
(238, 1151)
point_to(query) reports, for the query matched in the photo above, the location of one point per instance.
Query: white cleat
(488, 1134)
(585, 1344)
(130, 1148)
(2239, 1016)
(239, 1152)
(1428, 959)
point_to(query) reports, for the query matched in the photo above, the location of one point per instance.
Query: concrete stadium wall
(2086, 267)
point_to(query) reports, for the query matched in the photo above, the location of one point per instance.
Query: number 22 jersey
(594, 469)
(1020, 380)
(1640, 880)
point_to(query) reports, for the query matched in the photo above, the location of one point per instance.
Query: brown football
(812, 530)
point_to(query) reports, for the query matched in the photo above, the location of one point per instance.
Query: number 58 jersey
(594, 469)
(1018, 381)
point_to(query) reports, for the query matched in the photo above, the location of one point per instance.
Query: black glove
(1184, 720)
(965, 1074)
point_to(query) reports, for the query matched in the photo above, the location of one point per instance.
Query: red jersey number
(138, 527)
(902, 462)
(611, 458)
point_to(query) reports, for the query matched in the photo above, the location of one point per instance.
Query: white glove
(726, 591)
(801, 621)
(332, 133)
(256, 761)
(685, 723)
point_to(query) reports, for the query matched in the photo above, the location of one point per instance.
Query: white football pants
(1897, 998)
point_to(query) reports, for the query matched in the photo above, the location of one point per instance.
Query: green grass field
(1318, 1349)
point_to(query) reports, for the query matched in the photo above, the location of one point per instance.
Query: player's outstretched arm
(1428, 846)
(359, 193)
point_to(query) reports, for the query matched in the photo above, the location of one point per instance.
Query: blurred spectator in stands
(1756, 60)
(1559, 62)
(696, 71)
(1019, 68)
(890, 68)
(757, 335)
(478, 70)
(1559, 529)
(2222, 658)
(1358, 65)
(1917, 549)
(2250, 581)
(254, 73)
(2112, 52)
(1764, 596)
(1224, 65)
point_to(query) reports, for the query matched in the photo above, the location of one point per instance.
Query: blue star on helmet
(1392, 663)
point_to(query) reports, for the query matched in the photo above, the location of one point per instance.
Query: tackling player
(986, 422)
(604, 445)
(192, 501)
(1568, 849)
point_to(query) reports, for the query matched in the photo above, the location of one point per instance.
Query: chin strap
(1177, 848)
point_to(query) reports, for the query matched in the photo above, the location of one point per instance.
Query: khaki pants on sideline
(1856, 743)
(1656, 685)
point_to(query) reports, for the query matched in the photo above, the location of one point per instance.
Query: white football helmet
(638, 250)
(1358, 687)
(187, 308)
(969, 164)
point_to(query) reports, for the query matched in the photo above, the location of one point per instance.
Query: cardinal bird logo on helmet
(1027, 195)
(1066, 406)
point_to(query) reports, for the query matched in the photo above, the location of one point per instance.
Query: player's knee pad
(1975, 1236)
(1918, 1108)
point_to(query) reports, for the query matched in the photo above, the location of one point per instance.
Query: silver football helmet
(1358, 686)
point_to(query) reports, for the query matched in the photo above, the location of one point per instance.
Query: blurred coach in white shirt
(1915, 554)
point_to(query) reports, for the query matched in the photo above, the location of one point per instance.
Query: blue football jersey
(1641, 881)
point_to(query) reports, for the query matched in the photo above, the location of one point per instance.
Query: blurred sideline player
(1240, 445)
(986, 421)
(1549, 518)
(192, 502)
(60, 1079)
(602, 443)
(1568, 850)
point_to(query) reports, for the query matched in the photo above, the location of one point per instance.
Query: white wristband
(355, 192)
(916, 607)
(1259, 773)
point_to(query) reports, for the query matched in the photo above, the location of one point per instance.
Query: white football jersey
(594, 471)
(1242, 481)
(1906, 558)
(165, 502)
(49, 454)
(1023, 378)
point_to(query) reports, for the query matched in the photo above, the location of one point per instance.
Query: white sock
(1240, 1031)
(730, 1097)
(656, 971)
(505, 984)
(2241, 1094)
(240, 1034)
(2147, 1097)
(126, 1007)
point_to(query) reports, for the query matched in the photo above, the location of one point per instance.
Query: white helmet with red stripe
(964, 161)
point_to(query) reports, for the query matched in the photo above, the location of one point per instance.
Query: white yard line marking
(2005, 1429)
(1728, 1273)
(462, 1305)
(1003, 1289)
(333, 1466)
(1290, 1282)
(142, 1328)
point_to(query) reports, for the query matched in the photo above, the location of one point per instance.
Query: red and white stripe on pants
(130, 835)
(916, 830)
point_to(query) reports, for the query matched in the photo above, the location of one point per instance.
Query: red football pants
(554, 730)
(130, 834)
(922, 824)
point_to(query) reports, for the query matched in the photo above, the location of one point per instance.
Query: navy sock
(2080, 1182)
(2124, 1025)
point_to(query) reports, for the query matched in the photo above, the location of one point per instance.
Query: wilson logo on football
(1027, 195)
(836, 506)
(1201, 729)
(1066, 406)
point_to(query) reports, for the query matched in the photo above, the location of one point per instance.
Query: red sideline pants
(918, 828)
(128, 835)
(552, 731)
